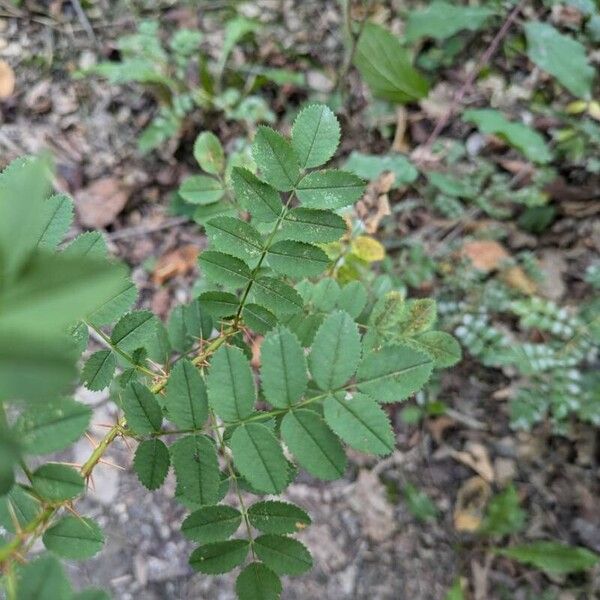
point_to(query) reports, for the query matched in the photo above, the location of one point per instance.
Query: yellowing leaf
(7, 80)
(368, 249)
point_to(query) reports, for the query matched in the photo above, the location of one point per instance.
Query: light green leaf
(335, 351)
(504, 514)
(231, 391)
(393, 373)
(315, 135)
(370, 167)
(89, 243)
(133, 330)
(274, 516)
(297, 259)
(312, 226)
(115, 304)
(196, 469)
(456, 591)
(18, 505)
(201, 189)
(441, 20)
(141, 409)
(276, 296)
(256, 196)
(561, 56)
(552, 557)
(444, 348)
(56, 482)
(91, 594)
(43, 579)
(259, 458)
(209, 154)
(224, 269)
(283, 368)
(57, 218)
(219, 557)
(276, 159)
(331, 189)
(151, 463)
(186, 400)
(219, 304)
(417, 316)
(258, 582)
(98, 370)
(188, 323)
(352, 298)
(76, 538)
(259, 318)
(283, 554)
(386, 66)
(313, 444)
(235, 237)
(361, 423)
(528, 141)
(62, 422)
(211, 524)
(206, 212)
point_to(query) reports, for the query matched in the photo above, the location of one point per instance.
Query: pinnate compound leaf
(297, 259)
(386, 67)
(141, 409)
(211, 523)
(43, 579)
(98, 370)
(231, 391)
(235, 237)
(371, 166)
(276, 159)
(151, 463)
(258, 582)
(335, 351)
(219, 304)
(259, 458)
(186, 400)
(224, 269)
(313, 444)
(283, 368)
(274, 516)
(315, 135)
(133, 330)
(76, 538)
(57, 218)
(209, 154)
(330, 189)
(56, 482)
(276, 296)
(200, 189)
(259, 318)
(196, 469)
(443, 347)
(360, 422)
(219, 557)
(283, 554)
(312, 226)
(552, 557)
(393, 373)
(256, 196)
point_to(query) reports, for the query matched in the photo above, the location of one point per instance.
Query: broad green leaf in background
(219, 557)
(443, 347)
(441, 20)
(56, 482)
(386, 66)
(552, 557)
(235, 237)
(312, 226)
(561, 56)
(276, 159)
(133, 330)
(209, 154)
(224, 269)
(256, 196)
(211, 524)
(76, 538)
(259, 458)
(186, 399)
(315, 135)
(43, 579)
(528, 141)
(504, 514)
(151, 463)
(456, 591)
(98, 370)
(297, 259)
(141, 409)
(274, 516)
(330, 189)
(201, 189)
(371, 166)
(283, 554)
(258, 582)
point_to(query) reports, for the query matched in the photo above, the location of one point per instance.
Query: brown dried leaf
(99, 203)
(476, 457)
(515, 278)
(486, 255)
(7, 80)
(471, 501)
(174, 263)
(399, 144)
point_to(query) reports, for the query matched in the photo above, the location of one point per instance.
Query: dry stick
(485, 58)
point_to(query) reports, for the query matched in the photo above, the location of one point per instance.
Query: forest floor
(366, 540)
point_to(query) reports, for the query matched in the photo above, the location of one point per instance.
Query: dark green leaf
(276, 296)
(276, 159)
(444, 349)
(312, 226)
(297, 259)
(224, 269)
(133, 330)
(43, 579)
(219, 304)
(141, 409)
(56, 482)
(283, 554)
(235, 237)
(258, 582)
(186, 400)
(151, 463)
(76, 538)
(57, 218)
(211, 524)
(331, 189)
(259, 318)
(98, 370)
(219, 557)
(256, 196)
(273, 516)
(315, 135)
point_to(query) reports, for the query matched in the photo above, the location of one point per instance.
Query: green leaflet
(258, 456)
(283, 368)
(141, 409)
(256, 196)
(276, 159)
(313, 444)
(273, 516)
(91, 594)
(62, 422)
(200, 189)
(393, 373)
(151, 463)
(283, 554)
(315, 135)
(57, 218)
(352, 298)
(259, 318)
(504, 515)
(56, 482)
(76, 538)
(330, 189)
(133, 330)
(196, 468)
(371, 166)
(386, 67)
(258, 582)
(186, 400)
(224, 269)
(231, 390)
(206, 212)
(312, 226)
(444, 348)
(360, 422)
(235, 237)
(335, 351)
(417, 316)
(209, 154)
(43, 579)
(211, 523)
(10, 451)
(297, 259)
(276, 296)
(98, 370)
(115, 304)
(219, 304)
(89, 243)
(188, 323)
(17, 505)
(219, 557)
